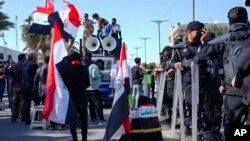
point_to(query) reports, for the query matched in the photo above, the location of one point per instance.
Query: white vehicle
(7, 53)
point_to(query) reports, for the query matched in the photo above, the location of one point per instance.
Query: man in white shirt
(114, 73)
(117, 35)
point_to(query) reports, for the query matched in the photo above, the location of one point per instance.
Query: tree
(217, 31)
(151, 64)
(32, 40)
(4, 23)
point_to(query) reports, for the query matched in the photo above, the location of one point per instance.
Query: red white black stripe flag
(118, 123)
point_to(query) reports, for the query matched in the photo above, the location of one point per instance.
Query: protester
(76, 78)
(146, 80)
(41, 79)
(114, 73)
(152, 83)
(87, 59)
(88, 29)
(29, 68)
(15, 88)
(2, 86)
(94, 96)
(145, 125)
(137, 77)
(9, 64)
(117, 34)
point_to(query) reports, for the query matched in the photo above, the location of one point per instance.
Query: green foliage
(151, 64)
(4, 23)
(31, 40)
(217, 31)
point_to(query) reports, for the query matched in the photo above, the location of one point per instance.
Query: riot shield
(178, 94)
(195, 99)
(175, 100)
(161, 93)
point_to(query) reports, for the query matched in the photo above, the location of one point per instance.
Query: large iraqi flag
(58, 105)
(39, 23)
(68, 19)
(118, 123)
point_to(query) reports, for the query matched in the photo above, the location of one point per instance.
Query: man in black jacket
(76, 78)
(192, 50)
(242, 78)
(29, 68)
(15, 84)
(238, 39)
(137, 77)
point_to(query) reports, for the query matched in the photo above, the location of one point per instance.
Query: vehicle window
(107, 63)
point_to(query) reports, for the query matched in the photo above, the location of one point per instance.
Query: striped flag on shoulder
(58, 105)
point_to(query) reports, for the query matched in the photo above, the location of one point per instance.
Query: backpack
(233, 49)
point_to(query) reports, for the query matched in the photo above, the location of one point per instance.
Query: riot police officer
(234, 108)
(193, 49)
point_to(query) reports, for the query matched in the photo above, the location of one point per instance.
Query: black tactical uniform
(169, 84)
(197, 53)
(233, 43)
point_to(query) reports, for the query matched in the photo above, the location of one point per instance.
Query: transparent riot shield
(195, 99)
(181, 111)
(161, 93)
(175, 100)
(178, 95)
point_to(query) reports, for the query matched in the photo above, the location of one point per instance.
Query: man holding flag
(68, 78)
(118, 123)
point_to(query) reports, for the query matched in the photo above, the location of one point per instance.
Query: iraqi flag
(118, 123)
(40, 24)
(68, 19)
(58, 105)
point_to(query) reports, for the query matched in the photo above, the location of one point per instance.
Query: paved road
(20, 132)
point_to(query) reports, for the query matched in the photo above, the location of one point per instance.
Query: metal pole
(145, 50)
(136, 50)
(16, 35)
(132, 57)
(145, 39)
(193, 10)
(159, 31)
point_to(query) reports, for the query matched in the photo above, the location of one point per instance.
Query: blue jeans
(2, 88)
(118, 47)
(137, 92)
(10, 98)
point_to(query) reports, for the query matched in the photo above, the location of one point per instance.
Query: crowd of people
(105, 29)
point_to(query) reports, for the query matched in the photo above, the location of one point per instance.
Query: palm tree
(217, 31)
(4, 23)
(31, 40)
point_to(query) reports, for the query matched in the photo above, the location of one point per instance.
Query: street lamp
(136, 50)
(159, 31)
(145, 39)
(132, 58)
